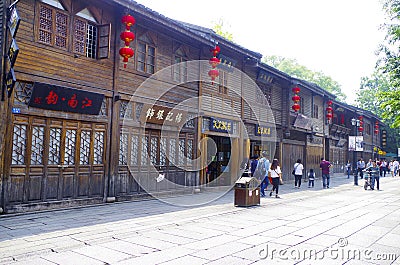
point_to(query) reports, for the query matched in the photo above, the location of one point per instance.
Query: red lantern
(214, 61)
(376, 131)
(213, 73)
(215, 50)
(296, 98)
(296, 90)
(128, 20)
(360, 129)
(329, 110)
(127, 37)
(296, 107)
(127, 53)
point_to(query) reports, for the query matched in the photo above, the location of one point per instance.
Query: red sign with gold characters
(46, 96)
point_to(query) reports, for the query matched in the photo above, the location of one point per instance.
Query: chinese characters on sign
(262, 130)
(264, 77)
(160, 115)
(52, 97)
(219, 125)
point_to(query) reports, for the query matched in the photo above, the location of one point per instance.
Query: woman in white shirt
(298, 173)
(275, 173)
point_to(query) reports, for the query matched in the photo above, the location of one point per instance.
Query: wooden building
(81, 128)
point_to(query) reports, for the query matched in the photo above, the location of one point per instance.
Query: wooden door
(55, 160)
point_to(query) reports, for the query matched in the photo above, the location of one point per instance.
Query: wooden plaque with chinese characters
(160, 115)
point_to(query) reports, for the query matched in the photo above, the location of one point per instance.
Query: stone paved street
(343, 224)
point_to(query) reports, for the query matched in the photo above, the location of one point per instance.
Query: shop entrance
(218, 171)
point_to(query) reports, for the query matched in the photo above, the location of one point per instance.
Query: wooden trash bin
(247, 192)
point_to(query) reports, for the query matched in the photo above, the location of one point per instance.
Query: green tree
(220, 28)
(293, 68)
(389, 63)
(370, 88)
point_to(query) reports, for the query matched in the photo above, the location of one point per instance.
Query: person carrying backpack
(262, 168)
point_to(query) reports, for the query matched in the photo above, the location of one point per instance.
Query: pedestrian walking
(276, 174)
(383, 168)
(253, 164)
(264, 164)
(325, 165)
(311, 178)
(348, 168)
(298, 173)
(391, 167)
(360, 168)
(374, 171)
(396, 167)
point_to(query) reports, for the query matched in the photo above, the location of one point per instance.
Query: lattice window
(70, 144)
(54, 146)
(163, 151)
(154, 150)
(53, 27)
(19, 144)
(172, 151)
(103, 108)
(37, 145)
(79, 36)
(181, 153)
(134, 150)
(123, 149)
(23, 92)
(138, 110)
(144, 152)
(98, 148)
(91, 41)
(189, 151)
(123, 107)
(84, 151)
(190, 121)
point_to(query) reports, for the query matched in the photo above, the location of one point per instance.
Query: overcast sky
(336, 37)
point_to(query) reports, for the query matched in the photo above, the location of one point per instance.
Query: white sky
(336, 37)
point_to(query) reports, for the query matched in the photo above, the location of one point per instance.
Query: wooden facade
(156, 117)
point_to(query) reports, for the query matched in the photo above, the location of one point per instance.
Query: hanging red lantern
(296, 99)
(127, 37)
(376, 131)
(126, 53)
(214, 61)
(215, 50)
(128, 20)
(213, 73)
(329, 110)
(296, 107)
(360, 129)
(296, 90)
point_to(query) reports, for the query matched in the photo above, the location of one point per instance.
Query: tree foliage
(389, 64)
(293, 68)
(221, 29)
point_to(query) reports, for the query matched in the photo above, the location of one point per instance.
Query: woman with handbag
(276, 174)
(298, 173)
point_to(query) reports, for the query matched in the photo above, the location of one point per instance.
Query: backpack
(260, 171)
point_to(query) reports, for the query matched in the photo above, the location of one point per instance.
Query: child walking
(311, 178)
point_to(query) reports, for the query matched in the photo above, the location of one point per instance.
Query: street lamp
(355, 122)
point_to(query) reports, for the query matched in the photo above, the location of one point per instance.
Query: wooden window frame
(102, 42)
(145, 61)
